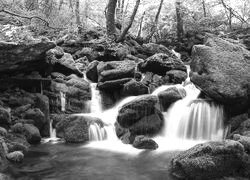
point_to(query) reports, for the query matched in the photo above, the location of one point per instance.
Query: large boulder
(64, 64)
(75, 129)
(16, 156)
(25, 57)
(209, 161)
(134, 88)
(176, 76)
(91, 71)
(170, 95)
(115, 70)
(161, 63)
(140, 116)
(31, 132)
(37, 116)
(113, 84)
(221, 69)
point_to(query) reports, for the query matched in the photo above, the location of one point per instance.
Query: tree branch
(29, 17)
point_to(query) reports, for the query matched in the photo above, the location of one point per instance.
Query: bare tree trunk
(230, 19)
(204, 8)
(180, 30)
(140, 26)
(78, 21)
(110, 18)
(125, 31)
(154, 27)
(60, 4)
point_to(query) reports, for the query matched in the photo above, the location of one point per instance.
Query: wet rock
(169, 96)
(244, 128)
(142, 142)
(16, 142)
(16, 156)
(29, 131)
(5, 177)
(65, 64)
(115, 70)
(134, 88)
(176, 76)
(244, 140)
(27, 57)
(141, 116)
(221, 69)
(91, 71)
(161, 63)
(3, 132)
(113, 84)
(236, 122)
(74, 129)
(209, 160)
(4, 116)
(37, 116)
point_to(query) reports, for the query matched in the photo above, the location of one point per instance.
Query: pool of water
(83, 162)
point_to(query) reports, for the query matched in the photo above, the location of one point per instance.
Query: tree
(179, 20)
(78, 21)
(140, 25)
(154, 27)
(110, 18)
(31, 5)
(204, 8)
(125, 31)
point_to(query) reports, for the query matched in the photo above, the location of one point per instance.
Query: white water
(63, 100)
(187, 122)
(52, 133)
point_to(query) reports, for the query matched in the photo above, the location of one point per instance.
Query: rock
(5, 177)
(3, 132)
(65, 64)
(113, 84)
(4, 116)
(28, 57)
(170, 95)
(16, 142)
(176, 76)
(16, 156)
(115, 70)
(18, 111)
(142, 142)
(91, 71)
(75, 129)
(3, 161)
(209, 160)
(236, 121)
(161, 63)
(244, 128)
(29, 131)
(244, 140)
(152, 48)
(37, 116)
(140, 117)
(88, 52)
(134, 88)
(133, 111)
(221, 69)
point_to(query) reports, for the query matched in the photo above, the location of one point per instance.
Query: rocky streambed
(43, 81)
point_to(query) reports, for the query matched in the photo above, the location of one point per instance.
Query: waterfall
(96, 133)
(95, 104)
(63, 100)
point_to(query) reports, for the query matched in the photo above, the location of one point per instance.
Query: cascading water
(63, 100)
(187, 122)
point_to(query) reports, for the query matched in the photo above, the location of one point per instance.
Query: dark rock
(161, 63)
(176, 76)
(221, 69)
(152, 48)
(115, 70)
(4, 116)
(142, 142)
(134, 88)
(88, 52)
(64, 64)
(22, 109)
(74, 129)
(91, 71)
(16, 142)
(3, 161)
(133, 111)
(113, 84)
(244, 128)
(29, 131)
(169, 96)
(3, 132)
(209, 160)
(37, 116)
(236, 121)
(16, 156)
(244, 140)
(16, 58)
